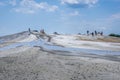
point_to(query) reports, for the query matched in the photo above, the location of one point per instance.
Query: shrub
(114, 35)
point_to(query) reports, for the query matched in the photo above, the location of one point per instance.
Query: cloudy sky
(63, 16)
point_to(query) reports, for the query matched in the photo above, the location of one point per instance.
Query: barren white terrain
(66, 57)
(76, 42)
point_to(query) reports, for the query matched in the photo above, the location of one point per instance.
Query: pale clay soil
(35, 63)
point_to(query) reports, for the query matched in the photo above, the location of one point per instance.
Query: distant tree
(114, 35)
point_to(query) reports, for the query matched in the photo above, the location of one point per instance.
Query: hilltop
(25, 56)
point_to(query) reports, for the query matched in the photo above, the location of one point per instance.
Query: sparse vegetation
(114, 35)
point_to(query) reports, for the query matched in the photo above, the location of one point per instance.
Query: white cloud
(76, 13)
(53, 8)
(116, 16)
(101, 28)
(13, 2)
(24, 10)
(80, 2)
(69, 1)
(2, 4)
(31, 6)
(113, 17)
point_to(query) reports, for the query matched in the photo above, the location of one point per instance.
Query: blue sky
(63, 16)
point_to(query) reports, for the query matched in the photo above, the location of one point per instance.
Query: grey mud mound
(24, 57)
(13, 38)
(34, 64)
(16, 36)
